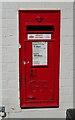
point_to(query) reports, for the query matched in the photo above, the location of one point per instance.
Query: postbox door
(39, 72)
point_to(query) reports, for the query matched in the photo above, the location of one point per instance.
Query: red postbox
(39, 37)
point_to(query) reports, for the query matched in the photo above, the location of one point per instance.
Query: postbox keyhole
(32, 73)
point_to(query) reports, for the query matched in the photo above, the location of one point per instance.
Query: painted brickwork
(0, 54)
(10, 60)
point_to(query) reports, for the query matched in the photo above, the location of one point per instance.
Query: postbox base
(39, 105)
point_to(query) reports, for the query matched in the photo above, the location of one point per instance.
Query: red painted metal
(39, 85)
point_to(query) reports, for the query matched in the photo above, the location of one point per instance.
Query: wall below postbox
(10, 60)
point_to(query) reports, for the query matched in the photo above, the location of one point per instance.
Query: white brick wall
(10, 79)
(0, 54)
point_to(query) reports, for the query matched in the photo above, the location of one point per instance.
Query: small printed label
(39, 36)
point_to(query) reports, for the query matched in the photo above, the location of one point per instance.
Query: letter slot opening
(40, 28)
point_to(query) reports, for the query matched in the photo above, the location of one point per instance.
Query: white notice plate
(39, 53)
(39, 36)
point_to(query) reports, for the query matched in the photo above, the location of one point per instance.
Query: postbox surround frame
(22, 105)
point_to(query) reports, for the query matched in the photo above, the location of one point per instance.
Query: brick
(1, 77)
(0, 67)
(66, 82)
(67, 58)
(5, 99)
(67, 53)
(0, 97)
(0, 58)
(3, 13)
(0, 50)
(9, 76)
(0, 32)
(66, 98)
(12, 49)
(0, 9)
(9, 41)
(0, 4)
(0, 13)
(13, 93)
(59, 5)
(31, 5)
(8, 32)
(66, 40)
(12, 67)
(67, 27)
(66, 66)
(66, 90)
(0, 40)
(5, 67)
(5, 84)
(9, 23)
(13, 84)
(0, 23)
(44, 114)
(4, 50)
(12, 5)
(1, 85)
(9, 13)
(67, 14)
(9, 58)
(67, 74)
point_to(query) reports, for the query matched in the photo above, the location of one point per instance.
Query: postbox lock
(39, 19)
